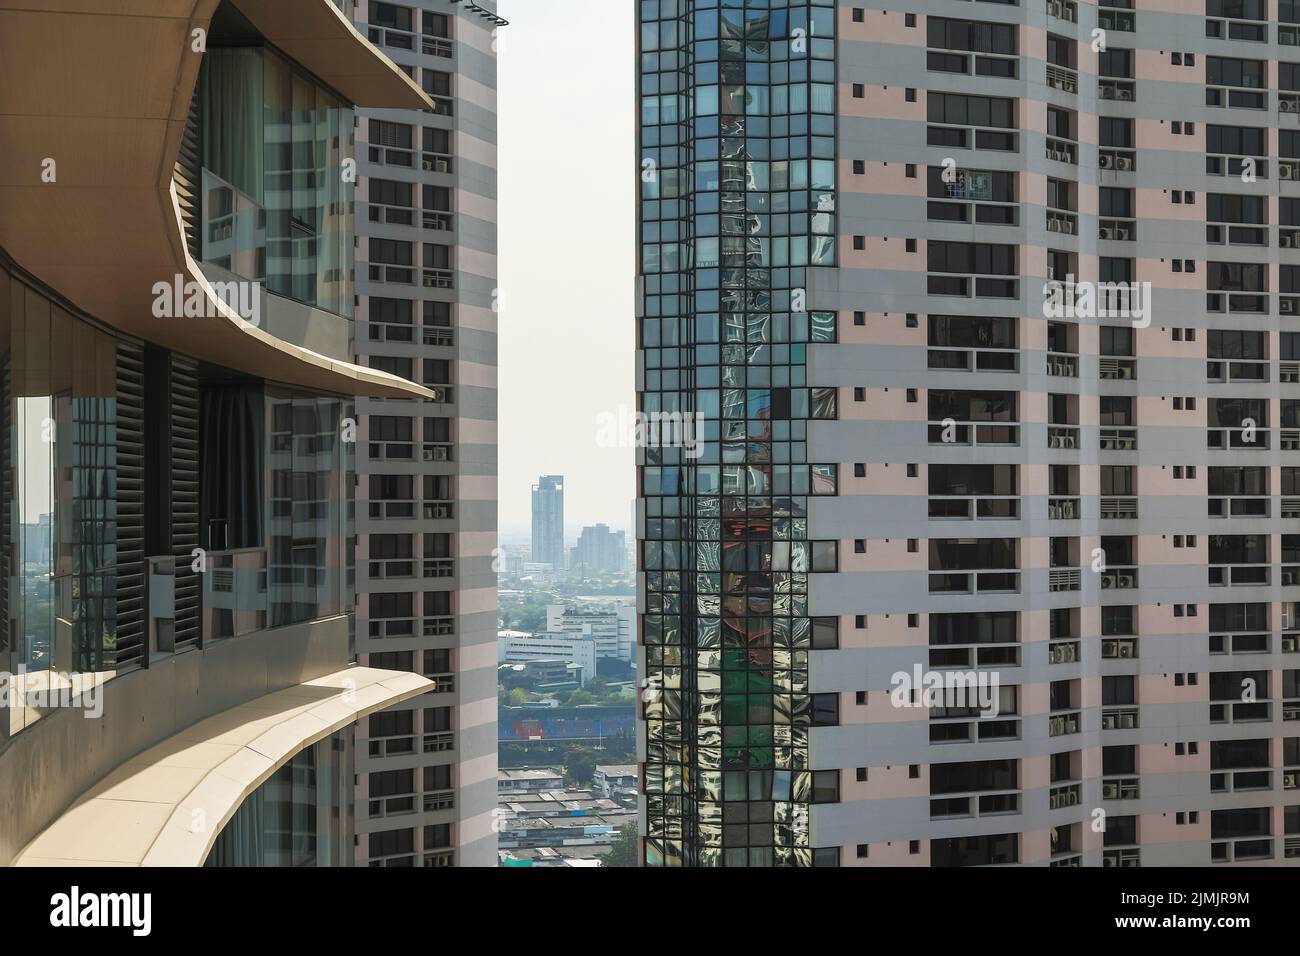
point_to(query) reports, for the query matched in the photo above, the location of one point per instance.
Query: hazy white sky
(567, 159)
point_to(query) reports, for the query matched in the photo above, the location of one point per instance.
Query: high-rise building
(614, 629)
(599, 550)
(926, 462)
(177, 418)
(548, 521)
(427, 225)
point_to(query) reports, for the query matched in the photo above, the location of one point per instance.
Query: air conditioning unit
(1107, 92)
(1124, 163)
(1106, 234)
(438, 453)
(1055, 9)
(426, 164)
(1284, 171)
(1110, 791)
(1289, 106)
(1286, 306)
(441, 511)
(1122, 234)
(1053, 224)
(441, 166)
(1289, 645)
(1286, 240)
(1125, 650)
(1290, 781)
(1128, 721)
(1104, 161)
(1125, 94)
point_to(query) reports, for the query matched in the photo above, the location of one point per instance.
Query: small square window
(1177, 196)
(1178, 404)
(859, 167)
(859, 91)
(1176, 126)
(859, 394)
(1193, 747)
(911, 245)
(859, 470)
(859, 243)
(859, 546)
(1178, 265)
(859, 621)
(862, 851)
(1191, 471)
(1176, 59)
(1178, 541)
(913, 470)
(1178, 610)
(1189, 129)
(1178, 749)
(911, 320)
(1192, 678)
(862, 775)
(1179, 818)
(1189, 59)
(910, 170)
(1177, 334)
(1189, 197)
(911, 395)
(910, 94)
(1178, 680)
(914, 620)
(859, 318)
(859, 14)
(1191, 543)
(913, 847)
(914, 771)
(1193, 816)
(1178, 471)
(913, 545)
(1189, 265)
(1190, 403)
(861, 698)
(909, 19)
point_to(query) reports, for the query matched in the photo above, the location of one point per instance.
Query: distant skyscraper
(600, 549)
(548, 520)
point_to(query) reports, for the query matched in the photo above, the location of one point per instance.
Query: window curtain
(231, 460)
(232, 117)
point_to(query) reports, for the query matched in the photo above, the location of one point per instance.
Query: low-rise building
(525, 780)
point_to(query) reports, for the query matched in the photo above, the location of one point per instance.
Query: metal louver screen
(6, 504)
(185, 497)
(188, 176)
(130, 507)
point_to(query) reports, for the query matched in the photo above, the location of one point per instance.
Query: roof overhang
(93, 102)
(318, 35)
(167, 806)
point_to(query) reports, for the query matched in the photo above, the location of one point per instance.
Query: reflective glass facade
(301, 816)
(737, 151)
(277, 206)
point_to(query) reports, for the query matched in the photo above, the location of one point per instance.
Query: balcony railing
(1118, 508)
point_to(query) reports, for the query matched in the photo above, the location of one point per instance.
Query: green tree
(517, 697)
(580, 765)
(579, 697)
(623, 851)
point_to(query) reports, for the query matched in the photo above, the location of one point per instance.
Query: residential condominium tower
(426, 284)
(548, 521)
(991, 311)
(177, 432)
